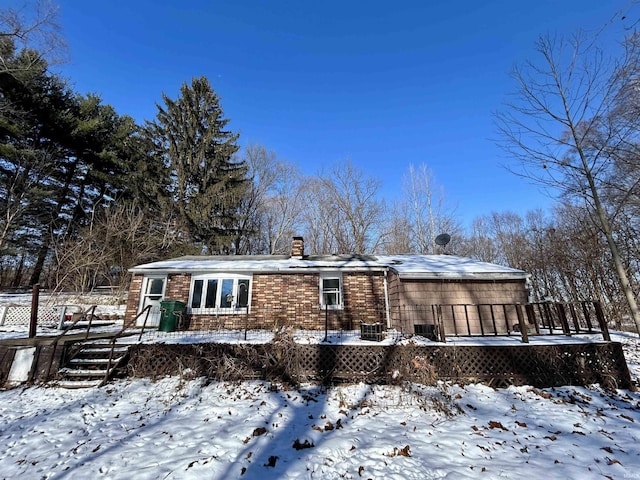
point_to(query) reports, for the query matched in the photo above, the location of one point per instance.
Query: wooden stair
(89, 367)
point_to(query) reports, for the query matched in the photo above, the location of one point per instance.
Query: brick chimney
(297, 247)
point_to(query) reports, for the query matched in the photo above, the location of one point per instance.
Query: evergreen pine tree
(207, 182)
(58, 160)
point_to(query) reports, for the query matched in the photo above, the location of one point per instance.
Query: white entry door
(152, 294)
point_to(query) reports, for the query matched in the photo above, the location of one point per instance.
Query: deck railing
(507, 319)
(569, 317)
(436, 321)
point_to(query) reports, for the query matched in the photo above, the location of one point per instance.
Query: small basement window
(219, 294)
(331, 291)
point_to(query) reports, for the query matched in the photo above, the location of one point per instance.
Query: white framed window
(220, 293)
(331, 291)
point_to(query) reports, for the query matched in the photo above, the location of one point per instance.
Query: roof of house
(406, 266)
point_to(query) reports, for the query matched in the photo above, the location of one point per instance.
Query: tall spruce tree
(207, 181)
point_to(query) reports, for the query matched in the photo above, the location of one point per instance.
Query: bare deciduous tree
(282, 211)
(424, 215)
(105, 250)
(343, 213)
(318, 219)
(480, 244)
(33, 26)
(271, 207)
(564, 124)
(398, 238)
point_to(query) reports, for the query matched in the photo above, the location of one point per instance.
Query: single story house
(334, 291)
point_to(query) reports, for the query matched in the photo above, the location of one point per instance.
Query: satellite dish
(443, 239)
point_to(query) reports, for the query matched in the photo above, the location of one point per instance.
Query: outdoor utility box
(425, 330)
(171, 312)
(371, 331)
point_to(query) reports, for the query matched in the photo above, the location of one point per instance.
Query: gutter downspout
(386, 299)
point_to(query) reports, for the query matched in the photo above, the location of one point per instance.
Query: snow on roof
(447, 266)
(406, 266)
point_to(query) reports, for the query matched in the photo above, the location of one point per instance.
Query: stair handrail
(91, 317)
(144, 324)
(146, 309)
(91, 313)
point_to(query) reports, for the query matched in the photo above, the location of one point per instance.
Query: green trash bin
(171, 312)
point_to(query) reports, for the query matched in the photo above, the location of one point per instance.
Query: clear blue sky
(384, 84)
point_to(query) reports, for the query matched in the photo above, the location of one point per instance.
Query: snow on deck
(308, 337)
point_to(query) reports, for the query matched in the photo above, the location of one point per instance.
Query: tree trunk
(613, 247)
(42, 256)
(17, 277)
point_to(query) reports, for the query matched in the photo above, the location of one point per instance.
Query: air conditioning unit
(371, 331)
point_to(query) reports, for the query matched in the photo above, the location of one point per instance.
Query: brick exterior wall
(297, 247)
(133, 299)
(279, 299)
(293, 299)
(177, 287)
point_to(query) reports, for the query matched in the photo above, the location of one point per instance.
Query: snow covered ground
(188, 429)
(183, 428)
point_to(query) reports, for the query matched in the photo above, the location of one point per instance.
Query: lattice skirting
(540, 366)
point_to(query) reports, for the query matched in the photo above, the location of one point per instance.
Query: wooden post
(523, 326)
(493, 319)
(549, 316)
(506, 319)
(587, 317)
(562, 315)
(602, 321)
(466, 316)
(440, 323)
(480, 319)
(574, 317)
(35, 297)
(531, 317)
(453, 319)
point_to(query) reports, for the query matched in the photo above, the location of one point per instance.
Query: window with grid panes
(331, 291)
(219, 293)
